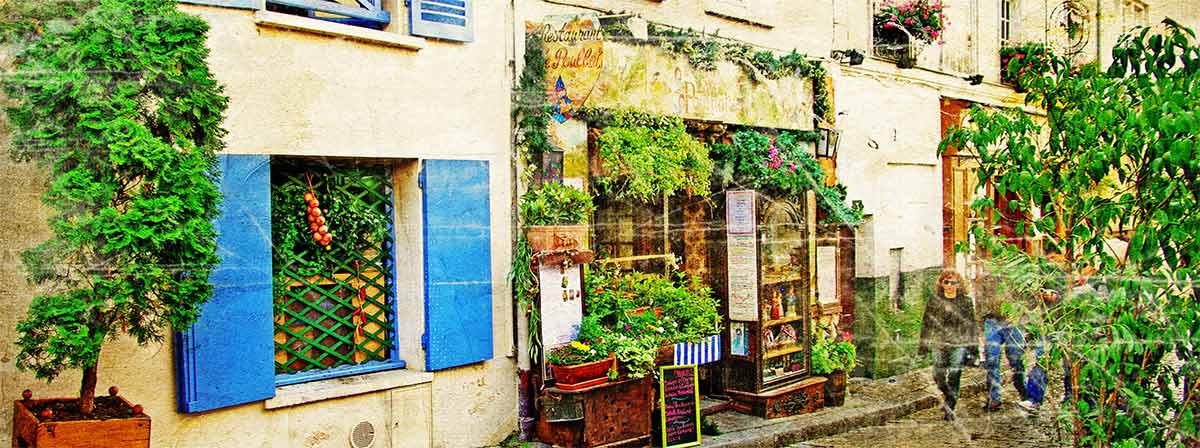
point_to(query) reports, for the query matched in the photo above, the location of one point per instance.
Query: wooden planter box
(609, 415)
(556, 238)
(31, 432)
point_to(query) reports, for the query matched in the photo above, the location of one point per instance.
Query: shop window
(334, 302)
(626, 229)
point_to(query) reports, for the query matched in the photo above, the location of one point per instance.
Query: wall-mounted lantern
(827, 145)
(850, 56)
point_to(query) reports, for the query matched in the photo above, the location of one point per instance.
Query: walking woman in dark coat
(949, 331)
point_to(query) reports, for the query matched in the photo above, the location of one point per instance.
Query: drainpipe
(526, 414)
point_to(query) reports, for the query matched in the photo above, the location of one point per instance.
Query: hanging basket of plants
(555, 214)
(903, 29)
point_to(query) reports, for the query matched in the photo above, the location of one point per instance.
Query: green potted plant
(554, 214)
(586, 361)
(833, 358)
(120, 109)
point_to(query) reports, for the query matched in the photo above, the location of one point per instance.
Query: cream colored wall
(888, 159)
(293, 93)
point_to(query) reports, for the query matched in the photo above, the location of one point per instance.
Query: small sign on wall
(562, 311)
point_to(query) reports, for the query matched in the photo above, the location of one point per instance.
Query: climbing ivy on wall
(704, 52)
(531, 110)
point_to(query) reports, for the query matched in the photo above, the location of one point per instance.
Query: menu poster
(739, 212)
(679, 397)
(742, 281)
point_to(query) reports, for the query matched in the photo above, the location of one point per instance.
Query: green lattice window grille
(335, 306)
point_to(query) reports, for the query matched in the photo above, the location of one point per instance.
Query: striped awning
(703, 352)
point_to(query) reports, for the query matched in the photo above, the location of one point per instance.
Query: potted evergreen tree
(121, 111)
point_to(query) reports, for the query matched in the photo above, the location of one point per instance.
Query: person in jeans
(999, 334)
(948, 330)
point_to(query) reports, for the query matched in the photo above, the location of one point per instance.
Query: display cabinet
(770, 348)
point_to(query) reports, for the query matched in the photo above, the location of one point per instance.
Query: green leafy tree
(1115, 155)
(122, 112)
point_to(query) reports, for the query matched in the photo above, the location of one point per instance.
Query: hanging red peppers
(316, 220)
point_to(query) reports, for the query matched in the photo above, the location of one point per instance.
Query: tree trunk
(87, 391)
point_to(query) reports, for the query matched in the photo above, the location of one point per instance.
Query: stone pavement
(901, 411)
(1011, 426)
(869, 403)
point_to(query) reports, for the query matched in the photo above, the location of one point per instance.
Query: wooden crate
(614, 414)
(803, 397)
(29, 432)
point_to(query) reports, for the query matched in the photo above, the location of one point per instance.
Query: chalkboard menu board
(679, 396)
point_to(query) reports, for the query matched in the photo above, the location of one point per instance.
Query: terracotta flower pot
(552, 238)
(583, 375)
(639, 311)
(33, 432)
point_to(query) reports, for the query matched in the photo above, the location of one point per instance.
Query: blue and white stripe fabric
(703, 352)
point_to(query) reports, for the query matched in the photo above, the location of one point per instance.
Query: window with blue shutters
(442, 19)
(287, 310)
(366, 13)
(333, 269)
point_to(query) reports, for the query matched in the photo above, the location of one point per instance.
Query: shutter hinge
(408, 3)
(425, 341)
(421, 178)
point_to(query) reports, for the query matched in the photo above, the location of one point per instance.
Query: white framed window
(1007, 21)
(1134, 13)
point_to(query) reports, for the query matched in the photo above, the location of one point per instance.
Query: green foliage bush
(1117, 151)
(553, 203)
(124, 114)
(645, 158)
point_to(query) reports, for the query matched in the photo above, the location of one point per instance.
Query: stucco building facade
(303, 88)
(308, 91)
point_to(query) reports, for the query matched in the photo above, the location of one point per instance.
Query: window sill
(298, 394)
(289, 22)
(736, 14)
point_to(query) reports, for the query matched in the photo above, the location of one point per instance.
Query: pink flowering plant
(781, 165)
(924, 19)
(1022, 64)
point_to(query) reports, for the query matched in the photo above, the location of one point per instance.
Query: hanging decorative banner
(574, 49)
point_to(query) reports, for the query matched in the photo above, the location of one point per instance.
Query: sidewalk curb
(809, 427)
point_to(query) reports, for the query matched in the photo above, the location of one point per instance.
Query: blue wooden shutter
(239, 4)
(441, 19)
(227, 357)
(458, 263)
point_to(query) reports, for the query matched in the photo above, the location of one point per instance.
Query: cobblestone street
(1011, 426)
